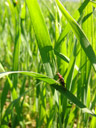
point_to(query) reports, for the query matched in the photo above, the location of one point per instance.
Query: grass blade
(65, 58)
(72, 98)
(42, 35)
(32, 74)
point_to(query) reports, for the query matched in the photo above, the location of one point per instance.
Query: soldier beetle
(61, 79)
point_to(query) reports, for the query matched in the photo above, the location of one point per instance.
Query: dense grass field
(38, 40)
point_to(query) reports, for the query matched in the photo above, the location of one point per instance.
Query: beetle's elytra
(61, 79)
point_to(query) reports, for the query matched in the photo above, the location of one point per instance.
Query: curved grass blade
(79, 34)
(32, 74)
(87, 16)
(65, 58)
(54, 84)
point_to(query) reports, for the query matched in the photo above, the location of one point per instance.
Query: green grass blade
(16, 51)
(56, 27)
(83, 5)
(8, 84)
(86, 17)
(32, 74)
(62, 36)
(23, 11)
(4, 94)
(70, 72)
(72, 98)
(65, 58)
(42, 35)
(80, 35)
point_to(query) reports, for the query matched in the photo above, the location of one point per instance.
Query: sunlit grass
(37, 40)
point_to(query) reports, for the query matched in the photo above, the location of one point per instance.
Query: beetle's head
(60, 76)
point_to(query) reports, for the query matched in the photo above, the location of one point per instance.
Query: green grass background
(37, 40)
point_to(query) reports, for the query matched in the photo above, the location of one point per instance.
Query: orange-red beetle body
(61, 79)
